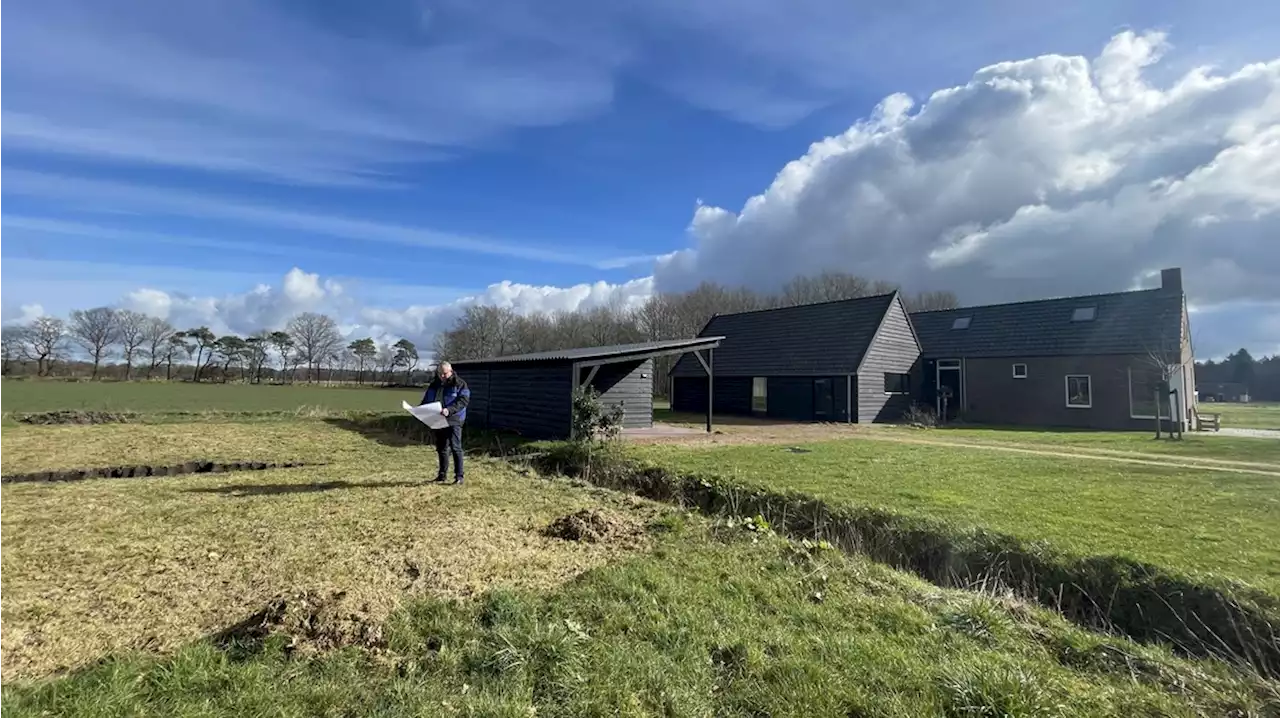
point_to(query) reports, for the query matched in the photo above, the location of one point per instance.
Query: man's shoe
(457, 480)
(438, 480)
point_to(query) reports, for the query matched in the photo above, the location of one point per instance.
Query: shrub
(921, 415)
(592, 419)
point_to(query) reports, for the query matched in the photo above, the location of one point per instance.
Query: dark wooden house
(532, 394)
(846, 361)
(1094, 361)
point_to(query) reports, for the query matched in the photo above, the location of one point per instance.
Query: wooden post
(711, 385)
(1158, 425)
(708, 365)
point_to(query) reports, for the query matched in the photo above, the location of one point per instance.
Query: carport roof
(613, 353)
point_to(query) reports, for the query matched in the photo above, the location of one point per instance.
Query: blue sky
(404, 158)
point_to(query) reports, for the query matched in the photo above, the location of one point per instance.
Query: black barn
(849, 360)
(532, 394)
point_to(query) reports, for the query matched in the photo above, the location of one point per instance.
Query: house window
(1079, 391)
(961, 323)
(1084, 314)
(1019, 371)
(760, 394)
(897, 383)
(1144, 383)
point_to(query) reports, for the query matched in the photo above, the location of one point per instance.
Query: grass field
(392, 597)
(1255, 415)
(352, 587)
(1196, 521)
(182, 397)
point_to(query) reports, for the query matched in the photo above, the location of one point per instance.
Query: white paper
(428, 414)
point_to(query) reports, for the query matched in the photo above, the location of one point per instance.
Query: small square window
(1084, 314)
(1079, 391)
(897, 383)
(1019, 371)
(961, 323)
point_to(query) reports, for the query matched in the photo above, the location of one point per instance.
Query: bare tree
(45, 339)
(930, 301)
(156, 335)
(132, 333)
(176, 345)
(96, 331)
(316, 337)
(13, 345)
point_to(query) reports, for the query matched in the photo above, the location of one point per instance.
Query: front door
(822, 399)
(950, 386)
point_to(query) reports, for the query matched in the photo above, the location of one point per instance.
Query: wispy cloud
(324, 93)
(115, 197)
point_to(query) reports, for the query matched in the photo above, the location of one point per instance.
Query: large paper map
(428, 414)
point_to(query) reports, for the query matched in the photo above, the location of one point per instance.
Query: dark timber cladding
(1091, 361)
(847, 360)
(532, 394)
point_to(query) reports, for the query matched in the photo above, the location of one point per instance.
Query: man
(451, 391)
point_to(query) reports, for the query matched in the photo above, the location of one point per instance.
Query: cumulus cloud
(23, 314)
(267, 306)
(1052, 175)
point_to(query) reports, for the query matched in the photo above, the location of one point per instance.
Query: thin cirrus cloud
(100, 196)
(334, 94)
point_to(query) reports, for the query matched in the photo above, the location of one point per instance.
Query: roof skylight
(961, 323)
(1084, 314)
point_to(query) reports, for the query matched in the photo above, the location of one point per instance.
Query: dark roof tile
(1134, 322)
(827, 338)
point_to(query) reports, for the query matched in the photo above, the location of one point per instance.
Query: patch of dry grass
(101, 566)
(36, 448)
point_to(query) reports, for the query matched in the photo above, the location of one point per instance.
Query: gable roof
(1135, 322)
(826, 338)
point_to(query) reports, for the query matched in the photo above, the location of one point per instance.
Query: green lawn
(180, 397)
(1193, 521)
(1256, 415)
(1205, 445)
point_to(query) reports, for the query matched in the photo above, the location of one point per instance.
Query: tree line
(129, 344)
(1260, 378)
(484, 331)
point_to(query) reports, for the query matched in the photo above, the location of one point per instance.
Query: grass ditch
(715, 620)
(1146, 602)
(148, 470)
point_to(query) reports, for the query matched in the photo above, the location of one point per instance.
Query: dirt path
(794, 434)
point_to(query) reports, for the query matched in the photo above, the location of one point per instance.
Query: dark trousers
(449, 440)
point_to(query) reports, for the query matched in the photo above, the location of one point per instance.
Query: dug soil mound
(314, 621)
(595, 526)
(77, 417)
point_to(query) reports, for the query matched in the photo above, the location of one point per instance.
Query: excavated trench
(146, 470)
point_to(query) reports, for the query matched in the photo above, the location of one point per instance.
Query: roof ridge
(806, 304)
(1041, 300)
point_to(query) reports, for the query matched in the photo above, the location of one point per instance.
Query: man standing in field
(451, 391)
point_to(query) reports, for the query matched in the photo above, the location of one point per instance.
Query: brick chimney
(1171, 279)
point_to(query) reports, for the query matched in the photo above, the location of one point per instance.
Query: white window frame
(1067, 390)
(761, 382)
(1023, 375)
(907, 374)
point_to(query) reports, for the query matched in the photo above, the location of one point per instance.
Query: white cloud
(1048, 176)
(23, 314)
(269, 305)
(1051, 175)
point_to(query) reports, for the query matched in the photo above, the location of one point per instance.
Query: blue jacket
(452, 394)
